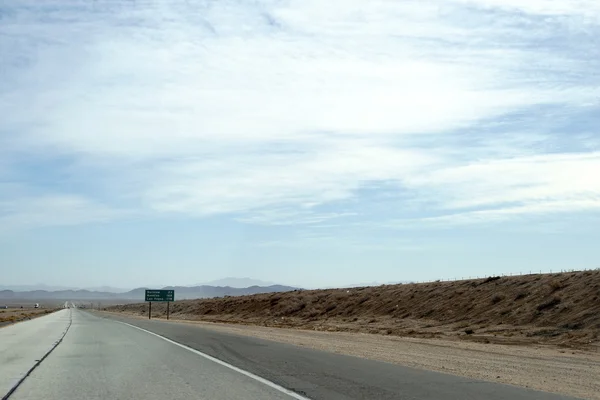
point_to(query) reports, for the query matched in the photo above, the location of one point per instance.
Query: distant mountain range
(26, 288)
(31, 288)
(236, 282)
(181, 293)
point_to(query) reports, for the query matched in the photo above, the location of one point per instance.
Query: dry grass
(11, 315)
(561, 309)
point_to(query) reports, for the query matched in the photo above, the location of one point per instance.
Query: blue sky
(313, 143)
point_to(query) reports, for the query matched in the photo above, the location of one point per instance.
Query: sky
(305, 142)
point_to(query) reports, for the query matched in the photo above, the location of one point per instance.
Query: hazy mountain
(108, 289)
(57, 294)
(206, 291)
(225, 282)
(28, 288)
(47, 288)
(181, 292)
(236, 282)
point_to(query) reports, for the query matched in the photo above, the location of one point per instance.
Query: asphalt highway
(108, 357)
(102, 359)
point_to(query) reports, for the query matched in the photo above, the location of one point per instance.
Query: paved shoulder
(22, 345)
(323, 375)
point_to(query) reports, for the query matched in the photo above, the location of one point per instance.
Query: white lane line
(223, 363)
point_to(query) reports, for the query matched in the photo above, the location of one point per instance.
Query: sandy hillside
(561, 309)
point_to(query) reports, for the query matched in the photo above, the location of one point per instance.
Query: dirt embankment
(561, 309)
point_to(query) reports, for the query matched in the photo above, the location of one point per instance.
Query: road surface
(122, 358)
(24, 344)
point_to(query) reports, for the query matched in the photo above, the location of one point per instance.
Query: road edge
(257, 378)
(38, 362)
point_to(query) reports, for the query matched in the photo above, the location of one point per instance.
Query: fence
(530, 272)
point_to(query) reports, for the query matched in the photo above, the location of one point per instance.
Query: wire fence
(520, 273)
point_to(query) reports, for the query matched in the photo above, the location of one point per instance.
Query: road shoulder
(23, 345)
(562, 371)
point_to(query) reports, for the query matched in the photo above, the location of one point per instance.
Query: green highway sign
(160, 295)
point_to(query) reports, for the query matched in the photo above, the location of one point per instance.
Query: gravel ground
(564, 371)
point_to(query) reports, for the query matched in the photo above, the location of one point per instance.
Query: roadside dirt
(12, 315)
(547, 368)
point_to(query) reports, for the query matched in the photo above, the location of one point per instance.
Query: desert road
(75, 354)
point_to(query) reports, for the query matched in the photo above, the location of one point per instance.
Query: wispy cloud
(278, 113)
(52, 210)
(529, 182)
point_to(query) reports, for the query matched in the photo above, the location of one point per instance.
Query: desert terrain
(560, 309)
(535, 331)
(13, 314)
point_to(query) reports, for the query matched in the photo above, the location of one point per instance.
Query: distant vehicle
(4, 307)
(37, 305)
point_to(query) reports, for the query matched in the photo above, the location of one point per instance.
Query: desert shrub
(549, 304)
(521, 295)
(275, 300)
(556, 285)
(497, 298)
(491, 279)
(292, 309)
(573, 326)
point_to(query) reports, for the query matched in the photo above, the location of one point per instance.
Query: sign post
(159, 295)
